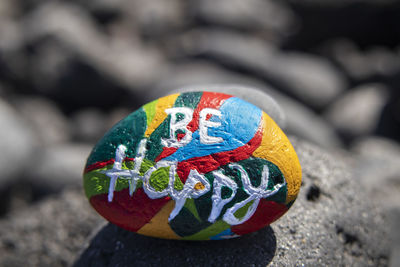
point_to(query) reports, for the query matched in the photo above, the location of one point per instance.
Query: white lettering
(176, 125)
(204, 124)
(218, 202)
(195, 186)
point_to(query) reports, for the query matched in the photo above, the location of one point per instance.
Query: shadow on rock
(114, 246)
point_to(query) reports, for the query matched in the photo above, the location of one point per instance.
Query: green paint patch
(127, 132)
(205, 234)
(226, 192)
(178, 185)
(96, 183)
(280, 196)
(150, 110)
(243, 210)
(204, 202)
(154, 147)
(146, 165)
(190, 100)
(191, 206)
(159, 179)
(186, 224)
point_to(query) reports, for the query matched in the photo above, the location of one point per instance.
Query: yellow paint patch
(160, 115)
(199, 186)
(158, 226)
(276, 148)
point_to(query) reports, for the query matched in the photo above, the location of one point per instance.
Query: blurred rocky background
(71, 69)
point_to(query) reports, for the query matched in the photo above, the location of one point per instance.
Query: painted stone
(193, 166)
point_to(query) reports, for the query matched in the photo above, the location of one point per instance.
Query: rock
(198, 157)
(377, 166)
(395, 219)
(361, 65)
(338, 226)
(300, 120)
(17, 143)
(156, 18)
(69, 52)
(357, 113)
(50, 125)
(389, 122)
(274, 18)
(88, 125)
(251, 95)
(50, 233)
(309, 78)
(59, 166)
(305, 123)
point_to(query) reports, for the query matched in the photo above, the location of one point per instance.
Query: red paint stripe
(128, 212)
(208, 100)
(267, 212)
(167, 151)
(102, 164)
(214, 161)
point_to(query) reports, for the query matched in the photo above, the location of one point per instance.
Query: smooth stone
(193, 166)
(311, 79)
(48, 122)
(58, 166)
(358, 112)
(17, 143)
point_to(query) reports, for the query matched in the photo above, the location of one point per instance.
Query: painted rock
(193, 166)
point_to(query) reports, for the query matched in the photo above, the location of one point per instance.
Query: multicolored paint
(193, 166)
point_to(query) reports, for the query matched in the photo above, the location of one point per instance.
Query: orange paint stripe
(276, 148)
(159, 226)
(160, 116)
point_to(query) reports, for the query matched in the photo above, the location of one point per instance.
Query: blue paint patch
(226, 234)
(239, 123)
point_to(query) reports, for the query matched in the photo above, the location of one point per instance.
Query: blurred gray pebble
(59, 166)
(309, 78)
(71, 47)
(357, 113)
(17, 143)
(360, 64)
(88, 125)
(50, 125)
(273, 18)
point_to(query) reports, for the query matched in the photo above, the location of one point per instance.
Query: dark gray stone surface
(331, 224)
(48, 234)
